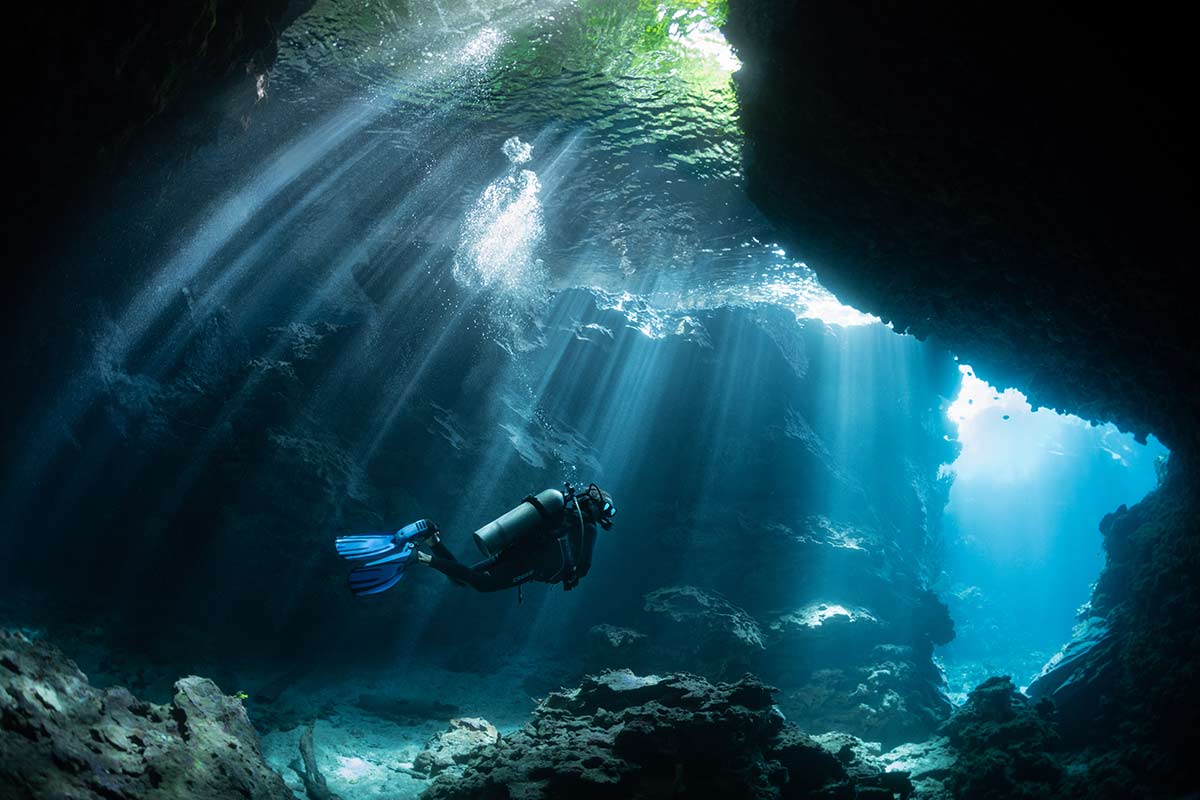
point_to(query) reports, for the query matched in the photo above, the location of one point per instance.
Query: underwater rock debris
(622, 735)
(314, 782)
(1005, 744)
(62, 737)
(454, 746)
(999, 744)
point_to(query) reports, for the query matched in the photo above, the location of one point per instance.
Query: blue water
(1023, 544)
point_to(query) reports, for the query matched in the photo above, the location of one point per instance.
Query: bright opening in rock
(1022, 539)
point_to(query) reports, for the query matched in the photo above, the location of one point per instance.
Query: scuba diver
(548, 537)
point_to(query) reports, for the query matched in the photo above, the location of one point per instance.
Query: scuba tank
(533, 514)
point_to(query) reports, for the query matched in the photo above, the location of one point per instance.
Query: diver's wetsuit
(561, 552)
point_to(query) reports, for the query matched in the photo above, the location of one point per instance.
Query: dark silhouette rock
(98, 79)
(623, 735)
(704, 629)
(1007, 185)
(1016, 190)
(1005, 745)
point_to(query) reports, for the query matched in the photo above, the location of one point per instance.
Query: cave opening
(1023, 548)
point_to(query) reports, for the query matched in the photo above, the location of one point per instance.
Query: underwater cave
(664, 317)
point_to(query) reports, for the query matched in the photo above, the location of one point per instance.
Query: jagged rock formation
(999, 745)
(60, 737)
(1001, 183)
(454, 746)
(1005, 745)
(1126, 677)
(839, 667)
(621, 735)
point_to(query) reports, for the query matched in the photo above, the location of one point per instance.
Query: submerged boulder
(1005, 744)
(827, 624)
(623, 735)
(704, 630)
(62, 737)
(999, 744)
(840, 665)
(927, 765)
(454, 746)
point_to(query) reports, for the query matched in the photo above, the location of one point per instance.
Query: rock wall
(1013, 184)
(1125, 677)
(62, 737)
(94, 82)
(623, 735)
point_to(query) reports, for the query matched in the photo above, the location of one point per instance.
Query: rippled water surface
(631, 179)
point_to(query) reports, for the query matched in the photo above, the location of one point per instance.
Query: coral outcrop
(623, 735)
(998, 745)
(61, 737)
(454, 746)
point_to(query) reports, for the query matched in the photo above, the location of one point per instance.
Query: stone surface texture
(453, 747)
(623, 735)
(60, 737)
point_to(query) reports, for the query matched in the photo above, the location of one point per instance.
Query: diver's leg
(440, 550)
(442, 553)
(478, 576)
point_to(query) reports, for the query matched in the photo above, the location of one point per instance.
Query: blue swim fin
(372, 545)
(382, 574)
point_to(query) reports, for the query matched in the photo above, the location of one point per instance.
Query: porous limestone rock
(1006, 745)
(927, 764)
(454, 746)
(623, 735)
(62, 737)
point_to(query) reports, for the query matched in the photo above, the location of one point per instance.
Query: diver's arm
(584, 560)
